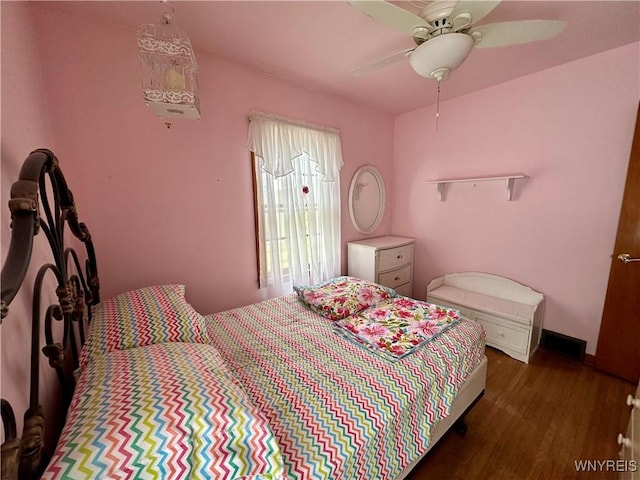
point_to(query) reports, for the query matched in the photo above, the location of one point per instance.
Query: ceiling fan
(444, 32)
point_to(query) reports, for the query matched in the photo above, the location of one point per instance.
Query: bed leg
(460, 426)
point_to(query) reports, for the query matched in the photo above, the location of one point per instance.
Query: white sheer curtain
(298, 201)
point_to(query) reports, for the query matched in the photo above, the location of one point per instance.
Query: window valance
(276, 142)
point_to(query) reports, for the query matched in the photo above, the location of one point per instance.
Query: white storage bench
(511, 313)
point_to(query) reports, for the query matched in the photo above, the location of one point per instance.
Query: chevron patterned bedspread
(164, 411)
(337, 410)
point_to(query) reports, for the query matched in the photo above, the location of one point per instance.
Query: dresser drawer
(395, 257)
(502, 335)
(395, 278)
(405, 290)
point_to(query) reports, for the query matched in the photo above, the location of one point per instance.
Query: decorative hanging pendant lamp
(169, 71)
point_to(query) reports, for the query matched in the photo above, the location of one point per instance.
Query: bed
(303, 386)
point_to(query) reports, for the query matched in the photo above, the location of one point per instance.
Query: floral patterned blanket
(397, 326)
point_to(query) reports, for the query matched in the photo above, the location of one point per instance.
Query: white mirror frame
(355, 192)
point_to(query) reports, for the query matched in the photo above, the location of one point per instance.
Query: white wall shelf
(509, 180)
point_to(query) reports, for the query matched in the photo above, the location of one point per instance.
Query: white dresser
(384, 260)
(511, 313)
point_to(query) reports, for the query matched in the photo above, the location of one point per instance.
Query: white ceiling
(317, 44)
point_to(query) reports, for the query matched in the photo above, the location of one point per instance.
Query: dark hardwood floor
(535, 422)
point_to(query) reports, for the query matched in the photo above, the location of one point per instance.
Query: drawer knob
(399, 257)
(635, 402)
(397, 278)
(624, 441)
(501, 334)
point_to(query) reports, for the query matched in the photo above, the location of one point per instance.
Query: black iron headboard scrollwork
(77, 290)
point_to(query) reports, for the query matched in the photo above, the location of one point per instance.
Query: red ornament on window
(305, 189)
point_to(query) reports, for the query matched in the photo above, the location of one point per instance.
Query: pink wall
(25, 126)
(176, 205)
(570, 129)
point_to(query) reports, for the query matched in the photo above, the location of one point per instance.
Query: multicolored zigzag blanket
(169, 411)
(337, 410)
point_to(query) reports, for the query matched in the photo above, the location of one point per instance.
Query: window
(297, 197)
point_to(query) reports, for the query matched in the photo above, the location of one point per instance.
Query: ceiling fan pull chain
(438, 106)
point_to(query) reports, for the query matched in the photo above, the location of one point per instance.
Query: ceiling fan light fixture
(440, 55)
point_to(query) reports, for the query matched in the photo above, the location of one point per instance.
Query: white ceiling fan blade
(396, 17)
(478, 9)
(513, 33)
(391, 59)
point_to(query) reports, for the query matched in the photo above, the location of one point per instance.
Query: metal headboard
(77, 290)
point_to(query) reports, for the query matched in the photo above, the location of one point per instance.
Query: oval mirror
(366, 199)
